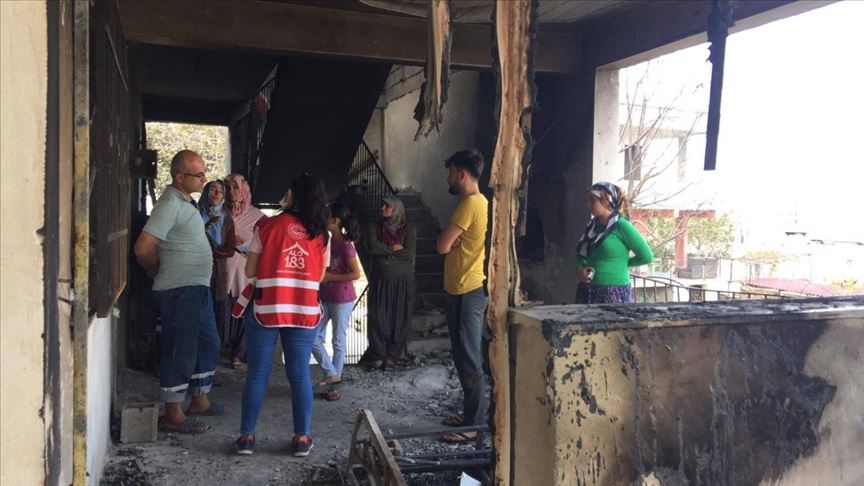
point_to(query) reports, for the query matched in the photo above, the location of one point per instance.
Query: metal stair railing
(260, 105)
(366, 186)
(665, 289)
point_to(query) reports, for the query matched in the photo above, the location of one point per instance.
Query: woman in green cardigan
(603, 259)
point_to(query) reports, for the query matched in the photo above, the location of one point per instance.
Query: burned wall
(560, 170)
(690, 394)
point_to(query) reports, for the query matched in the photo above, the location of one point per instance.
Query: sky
(792, 113)
(793, 107)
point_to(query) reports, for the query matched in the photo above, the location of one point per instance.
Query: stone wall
(719, 393)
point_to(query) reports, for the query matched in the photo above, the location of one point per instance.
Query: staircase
(429, 265)
(428, 325)
(366, 186)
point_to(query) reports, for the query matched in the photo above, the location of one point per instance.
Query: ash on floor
(407, 399)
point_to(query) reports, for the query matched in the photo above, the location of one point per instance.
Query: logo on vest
(297, 231)
(295, 258)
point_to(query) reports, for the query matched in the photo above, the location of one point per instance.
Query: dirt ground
(408, 399)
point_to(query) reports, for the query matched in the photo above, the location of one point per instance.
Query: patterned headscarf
(595, 233)
(245, 203)
(392, 231)
(209, 210)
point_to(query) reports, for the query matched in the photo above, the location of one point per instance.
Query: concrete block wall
(718, 393)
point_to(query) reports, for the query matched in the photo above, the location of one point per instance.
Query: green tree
(661, 238)
(211, 142)
(711, 237)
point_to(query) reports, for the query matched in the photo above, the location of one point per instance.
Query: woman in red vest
(288, 256)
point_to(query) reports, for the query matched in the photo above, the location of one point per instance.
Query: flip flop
(458, 438)
(329, 381)
(454, 421)
(216, 409)
(190, 426)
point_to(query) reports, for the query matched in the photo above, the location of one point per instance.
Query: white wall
(420, 163)
(23, 89)
(100, 392)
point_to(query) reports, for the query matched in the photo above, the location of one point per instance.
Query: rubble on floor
(413, 398)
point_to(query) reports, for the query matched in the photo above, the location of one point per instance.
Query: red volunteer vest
(289, 274)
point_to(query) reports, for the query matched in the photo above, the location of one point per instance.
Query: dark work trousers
(465, 323)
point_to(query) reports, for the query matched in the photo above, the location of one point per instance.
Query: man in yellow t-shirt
(463, 241)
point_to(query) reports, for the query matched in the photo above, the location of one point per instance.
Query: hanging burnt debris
(429, 111)
(719, 22)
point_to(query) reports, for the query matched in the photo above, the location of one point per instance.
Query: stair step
(426, 345)
(430, 282)
(426, 245)
(411, 199)
(425, 321)
(430, 300)
(429, 263)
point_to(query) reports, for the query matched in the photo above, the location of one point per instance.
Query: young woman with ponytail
(603, 253)
(288, 257)
(337, 295)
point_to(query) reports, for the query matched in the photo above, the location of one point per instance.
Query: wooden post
(81, 222)
(514, 48)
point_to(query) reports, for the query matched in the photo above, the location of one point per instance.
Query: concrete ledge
(713, 393)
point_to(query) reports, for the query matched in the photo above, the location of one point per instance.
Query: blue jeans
(465, 323)
(340, 314)
(190, 342)
(297, 349)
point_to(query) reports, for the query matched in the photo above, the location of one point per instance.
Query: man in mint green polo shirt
(173, 248)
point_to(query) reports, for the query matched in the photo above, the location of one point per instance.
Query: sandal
(190, 426)
(332, 395)
(454, 421)
(331, 380)
(459, 438)
(216, 409)
(238, 365)
(388, 365)
(374, 365)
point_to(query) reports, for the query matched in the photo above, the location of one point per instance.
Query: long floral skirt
(604, 294)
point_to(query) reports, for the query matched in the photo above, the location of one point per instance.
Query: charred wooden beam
(719, 23)
(81, 222)
(515, 24)
(372, 454)
(284, 28)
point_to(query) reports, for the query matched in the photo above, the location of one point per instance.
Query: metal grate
(110, 152)
(357, 329)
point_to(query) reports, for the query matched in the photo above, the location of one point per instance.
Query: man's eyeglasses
(199, 175)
